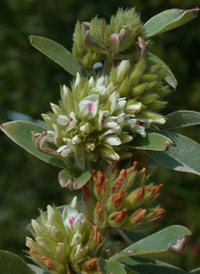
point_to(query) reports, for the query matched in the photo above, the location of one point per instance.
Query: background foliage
(29, 81)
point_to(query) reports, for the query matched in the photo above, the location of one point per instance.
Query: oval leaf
(183, 155)
(11, 263)
(108, 267)
(74, 178)
(20, 133)
(149, 266)
(153, 141)
(169, 78)
(165, 243)
(57, 53)
(181, 118)
(167, 20)
(37, 270)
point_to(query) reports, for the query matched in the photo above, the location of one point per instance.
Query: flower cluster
(64, 242)
(121, 201)
(98, 40)
(96, 117)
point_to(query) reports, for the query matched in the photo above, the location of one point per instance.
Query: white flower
(86, 128)
(76, 140)
(123, 68)
(134, 108)
(77, 81)
(50, 136)
(65, 150)
(103, 115)
(72, 120)
(88, 106)
(63, 120)
(112, 140)
(72, 218)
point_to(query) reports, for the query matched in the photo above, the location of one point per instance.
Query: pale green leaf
(183, 155)
(20, 133)
(74, 178)
(109, 266)
(169, 78)
(195, 271)
(181, 118)
(11, 264)
(165, 243)
(149, 266)
(153, 141)
(57, 53)
(37, 270)
(168, 20)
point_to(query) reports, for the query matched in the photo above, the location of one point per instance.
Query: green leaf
(195, 271)
(37, 270)
(57, 53)
(168, 20)
(149, 266)
(153, 141)
(11, 264)
(108, 267)
(181, 118)
(74, 178)
(164, 243)
(20, 133)
(169, 78)
(183, 155)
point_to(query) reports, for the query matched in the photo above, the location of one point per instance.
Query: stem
(124, 237)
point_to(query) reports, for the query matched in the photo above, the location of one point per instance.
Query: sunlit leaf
(57, 53)
(168, 20)
(37, 270)
(153, 141)
(11, 263)
(165, 243)
(108, 267)
(183, 155)
(149, 266)
(181, 118)
(169, 78)
(20, 133)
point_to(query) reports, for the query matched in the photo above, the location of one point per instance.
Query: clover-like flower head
(98, 116)
(64, 241)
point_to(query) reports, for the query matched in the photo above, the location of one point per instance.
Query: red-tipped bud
(120, 216)
(154, 190)
(118, 198)
(158, 214)
(138, 217)
(90, 264)
(86, 193)
(117, 186)
(100, 184)
(99, 209)
(48, 263)
(135, 199)
(133, 167)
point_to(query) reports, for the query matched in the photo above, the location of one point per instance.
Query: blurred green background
(29, 81)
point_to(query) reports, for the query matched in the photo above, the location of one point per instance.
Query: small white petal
(88, 106)
(78, 80)
(91, 82)
(50, 136)
(85, 128)
(123, 68)
(103, 115)
(62, 148)
(160, 121)
(63, 120)
(66, 152)
(112, 140)
(90, 146)
(134, 108)
(101, 90)
(76, 140)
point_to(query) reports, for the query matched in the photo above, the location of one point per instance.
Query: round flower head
(121, 201)
(96, 118)
(64, 242)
